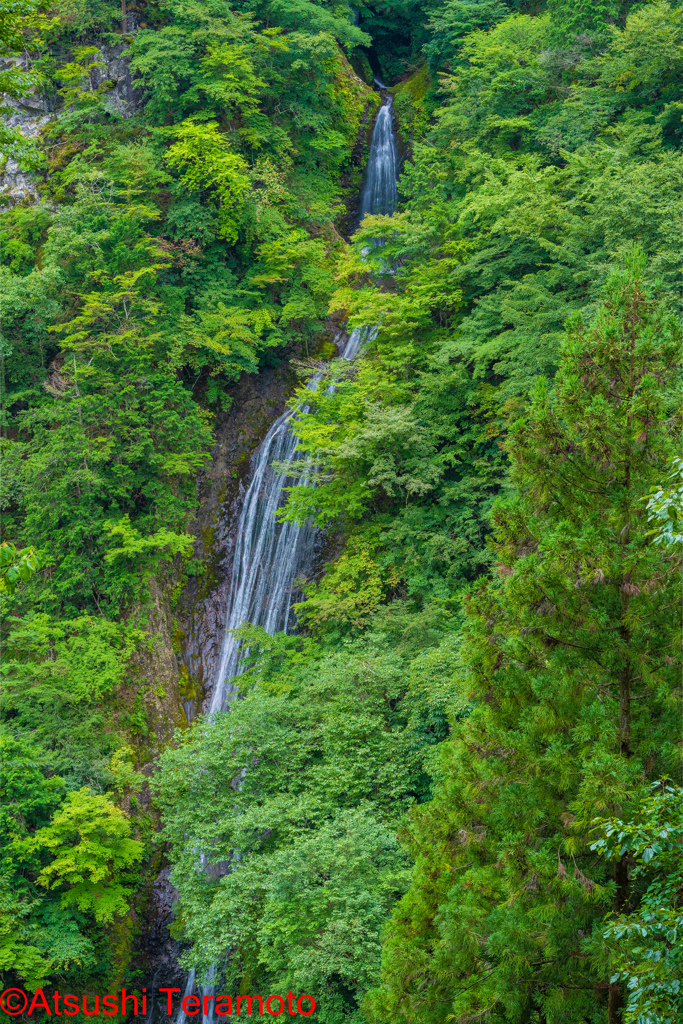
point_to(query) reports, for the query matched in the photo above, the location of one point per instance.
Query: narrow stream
(270, 556)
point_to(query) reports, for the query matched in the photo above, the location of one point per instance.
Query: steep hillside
(406, 806)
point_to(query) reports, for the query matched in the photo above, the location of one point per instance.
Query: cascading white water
(270, 556)
(380, 194)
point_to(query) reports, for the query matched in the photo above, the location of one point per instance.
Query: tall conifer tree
(569, 663)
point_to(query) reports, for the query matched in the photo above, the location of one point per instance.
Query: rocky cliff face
(255, 402)
(31, 114)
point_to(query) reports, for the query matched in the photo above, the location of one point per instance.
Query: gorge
(340, 355)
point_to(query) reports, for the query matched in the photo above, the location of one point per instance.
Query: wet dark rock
(256, 401)
(156, 962)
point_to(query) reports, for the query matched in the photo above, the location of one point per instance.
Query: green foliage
(176, 246)
(533, 181)
(16, 566)
(112, 431)
(20, 233)
(124, 777)
(57, 675)
(584, 15)
(126, 310)
(29, 794)
(414, 104)
(645, 943)
(330, 18)
(78, 846)
(517, 93)
(666, 508)
(306, 777)
(80, 17)
(566, 656)
(37, 936)
(402, 454)
(397, 31)
(78, 73)
(144, 551)
(452, 21)
(18, 950)
(322, 904)
(20, 22)
(89, 839)
(190, 239)
(206, 162)
(353, 588)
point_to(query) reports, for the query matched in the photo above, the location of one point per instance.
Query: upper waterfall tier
(380, 193)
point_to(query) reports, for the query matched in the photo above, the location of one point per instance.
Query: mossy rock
(414, 104)
(361, 65)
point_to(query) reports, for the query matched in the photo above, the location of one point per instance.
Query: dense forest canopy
(454, 792)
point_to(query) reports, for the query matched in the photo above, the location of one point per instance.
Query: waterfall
(380, 194)
(270, 556)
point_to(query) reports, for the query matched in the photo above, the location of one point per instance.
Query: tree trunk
(616, 999)
(615, 1005)
(625, 710)
(124, 17)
